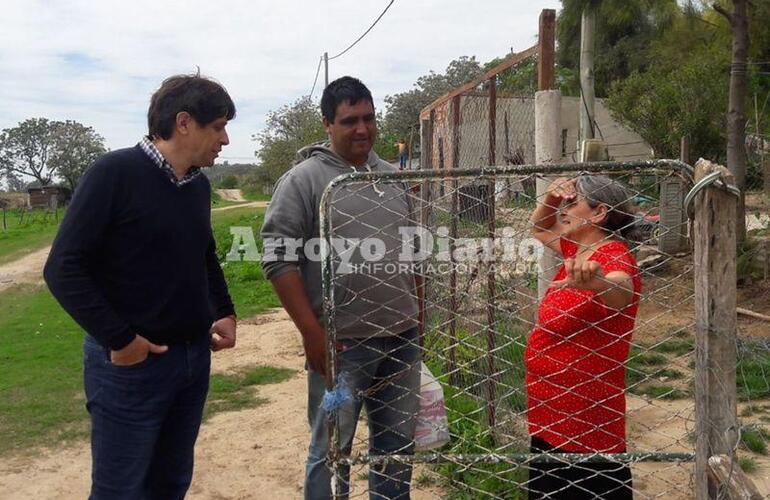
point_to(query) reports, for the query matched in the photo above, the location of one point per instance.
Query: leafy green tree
(403, 109)
(229, 182)
(521, 80)
(25, 150)
(289, 129)
(75, 148)
(14, 183)
(624, 31)
(663, 107)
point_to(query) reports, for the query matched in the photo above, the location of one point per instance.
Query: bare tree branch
(718, 8)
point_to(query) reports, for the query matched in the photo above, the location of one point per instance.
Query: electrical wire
(315, 80)
(365, 32)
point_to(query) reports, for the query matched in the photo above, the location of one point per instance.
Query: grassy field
(250, 291)
(26, 231)
(254, 194)
(41, 389)
(218, 202)
(41, 395)
(248, 195)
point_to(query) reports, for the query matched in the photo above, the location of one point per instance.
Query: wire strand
(365, 32)
(315, 80)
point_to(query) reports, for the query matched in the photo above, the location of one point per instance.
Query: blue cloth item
(334, 400)
(391, 409)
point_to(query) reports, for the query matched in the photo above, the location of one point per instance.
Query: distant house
(48, 196)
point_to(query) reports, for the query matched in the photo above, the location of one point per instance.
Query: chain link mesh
(481, 270)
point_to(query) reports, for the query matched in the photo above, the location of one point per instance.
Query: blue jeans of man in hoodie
(391, 410)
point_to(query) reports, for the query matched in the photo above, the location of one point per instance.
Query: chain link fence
(529, 398)
(753, 269)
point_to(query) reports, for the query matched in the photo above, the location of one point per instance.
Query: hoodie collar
(324, 152)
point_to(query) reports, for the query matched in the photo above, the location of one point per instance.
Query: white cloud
(98, 62)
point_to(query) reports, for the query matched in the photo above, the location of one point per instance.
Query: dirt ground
(260, 452)
(231, 194)
(240, 455)
(250, 454)
(28, 269)
(254, 204)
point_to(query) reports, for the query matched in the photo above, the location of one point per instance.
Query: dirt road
(240, 455)
(231, 194)
(28, 269)
(254, 204)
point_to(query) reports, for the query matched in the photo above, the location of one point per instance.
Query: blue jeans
(402, 160)
(391, 410)
(145, 420)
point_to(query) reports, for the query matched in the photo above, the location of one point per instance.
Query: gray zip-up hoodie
(378, 298)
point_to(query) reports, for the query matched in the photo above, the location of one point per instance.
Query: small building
(49, 196)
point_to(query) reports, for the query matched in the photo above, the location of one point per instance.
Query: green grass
(41, 396)
(467, 415)
(747, 464)
(645, 367)
(646, 360)
(255, 194)
(218, 202)
(470, 436)
(675, 346)
(22, 235)
(250, 291)
(235, 392)
(41, 387)
(754, 440)
(753, 376)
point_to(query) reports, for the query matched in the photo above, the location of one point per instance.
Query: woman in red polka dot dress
(576, 353)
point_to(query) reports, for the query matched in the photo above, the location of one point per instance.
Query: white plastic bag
(432, 429)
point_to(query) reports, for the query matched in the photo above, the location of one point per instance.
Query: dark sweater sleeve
(67, 271)
(221, 302)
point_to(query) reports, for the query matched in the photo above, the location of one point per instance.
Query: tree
(663, 106)
(13, 182)
(75, 148)
(736, 114)
(288, 129)
(26, 149)
(624, 31)
(403, 109)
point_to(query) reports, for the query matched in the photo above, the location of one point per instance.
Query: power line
(365, 32)
(315, 80)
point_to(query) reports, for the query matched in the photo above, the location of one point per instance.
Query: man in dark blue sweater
(134, 263)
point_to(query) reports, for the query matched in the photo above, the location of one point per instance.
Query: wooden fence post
(547, 131)
(426, 198)
(454, 304)
(715, 325)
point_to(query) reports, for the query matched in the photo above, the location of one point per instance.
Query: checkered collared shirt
(157, 158)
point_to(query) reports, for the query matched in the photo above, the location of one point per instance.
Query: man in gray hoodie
(376, 310)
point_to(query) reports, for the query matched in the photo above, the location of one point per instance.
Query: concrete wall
(519, 113)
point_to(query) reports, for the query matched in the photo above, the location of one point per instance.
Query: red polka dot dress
(575, 361)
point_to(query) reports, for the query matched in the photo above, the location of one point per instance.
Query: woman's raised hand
(561, 189)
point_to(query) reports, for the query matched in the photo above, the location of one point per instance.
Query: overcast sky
(98, 62)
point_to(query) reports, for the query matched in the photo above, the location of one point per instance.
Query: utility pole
(587, 49)
(326, 69)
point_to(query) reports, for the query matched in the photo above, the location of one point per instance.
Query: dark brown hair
(205, 100)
